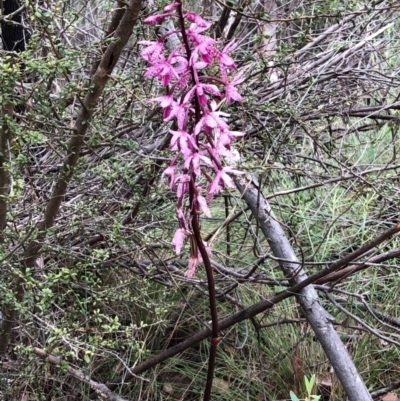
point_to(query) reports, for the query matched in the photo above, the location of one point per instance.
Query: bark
(98, 82)
(319, 319)
(223, 20)
(232, 26)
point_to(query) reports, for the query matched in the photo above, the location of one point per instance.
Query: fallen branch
(101, 389)
(318, 318)
(354, 268)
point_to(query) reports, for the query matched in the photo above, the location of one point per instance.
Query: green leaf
(86, 357)
(293, 396)
(309, 383)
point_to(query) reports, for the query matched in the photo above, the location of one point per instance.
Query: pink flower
(193, 262)
(232, 93)
(167, 103)
(171, 7)
(153, 51)
(169, 172)
(212, 119)
(180, 63)
(182, 218)
(183, 142)
(179, 239)
(213, 151)
(223, 57)
(232, 156)
(182, 182)
(184, 80)
(155, 19)
(196, 19)
(199, 65)
(203, 205)
(204, 49)
(196, 29)
(225, 137)
(230, 88)
(222, 180)
(180, 111)
(162, 70)
(194, 160)
(200, 88)
(165, 69)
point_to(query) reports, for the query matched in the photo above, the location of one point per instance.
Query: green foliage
(309, 384)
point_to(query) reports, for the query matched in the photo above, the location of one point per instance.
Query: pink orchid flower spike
(201, 137)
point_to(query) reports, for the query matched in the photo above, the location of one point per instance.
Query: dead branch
(99, 388)
(319, 319)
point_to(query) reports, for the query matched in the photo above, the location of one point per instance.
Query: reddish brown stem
(211, 294)
(197, 235)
